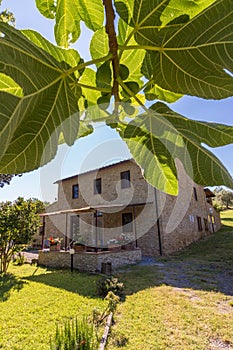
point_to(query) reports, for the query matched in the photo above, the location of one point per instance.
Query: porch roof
(95, 208)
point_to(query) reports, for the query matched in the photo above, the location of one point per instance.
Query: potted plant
(113, 244)
(79, 244)
(127, 242)
(55, 243)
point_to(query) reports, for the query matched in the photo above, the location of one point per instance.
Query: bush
(111, 284)
(75, 335)
(19, 259)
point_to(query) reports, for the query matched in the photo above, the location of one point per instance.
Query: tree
(223, 198)
(7, 16)
(19, 221)
(146, 53)
(6, 179)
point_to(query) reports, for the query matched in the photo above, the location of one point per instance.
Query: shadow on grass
(9, 282)
(80, 283)
(204, 265)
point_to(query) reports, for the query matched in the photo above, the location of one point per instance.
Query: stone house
(115, 206)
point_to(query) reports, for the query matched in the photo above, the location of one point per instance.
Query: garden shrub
(110, 284)
(19, 259)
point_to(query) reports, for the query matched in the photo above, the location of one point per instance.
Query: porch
(102, 230)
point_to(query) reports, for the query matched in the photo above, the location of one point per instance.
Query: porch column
(135, 227)
(43, 233)
(66, 231)
(96, 230)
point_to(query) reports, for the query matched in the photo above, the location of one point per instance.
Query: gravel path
(185, 274)
(194, 274)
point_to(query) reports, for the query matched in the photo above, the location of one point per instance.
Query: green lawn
(35, 300)
(184, 302)
(227, 218)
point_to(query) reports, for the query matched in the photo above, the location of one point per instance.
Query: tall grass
(75, 335)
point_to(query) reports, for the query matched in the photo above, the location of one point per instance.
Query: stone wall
(89, 262)
(179, 217)
(119, 200)
(186, 218)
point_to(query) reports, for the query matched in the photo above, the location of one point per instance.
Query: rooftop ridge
(93, 170)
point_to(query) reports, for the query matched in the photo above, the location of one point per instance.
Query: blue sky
(103, 145)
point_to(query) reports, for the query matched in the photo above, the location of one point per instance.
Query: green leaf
(32, 123)
(191, 58)
(91, 13)
(91, 95)
(177, 8)
(155, 92)
(67, 27)
(150, 152)
(46, 7)
(142, 13)
(206, 168)
(84, 130)
(212, 134)
(68, 14)
(89, 79)
(124, 72)
(99, 44)
(70, 56)
(130, 88)
(104, 101)
(104, 76)
(9, 85)
(132, 59)
(155, 139)
(125, 9)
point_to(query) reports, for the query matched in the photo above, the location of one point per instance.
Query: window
(127, 222)
(125, 179)
(199, 223)
(75, 191)
(195, 193)
(97, 186)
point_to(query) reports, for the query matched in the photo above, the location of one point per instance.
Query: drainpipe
(96, 230)
(158, 223)
(135, 227)
(207, 209)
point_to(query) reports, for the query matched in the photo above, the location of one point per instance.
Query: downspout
(207, 211)
(96, 230)
(158, 223)
(135, 227)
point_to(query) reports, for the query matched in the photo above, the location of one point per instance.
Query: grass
(184, 302)
(227, 219)
(180, 303)
(34, 300)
